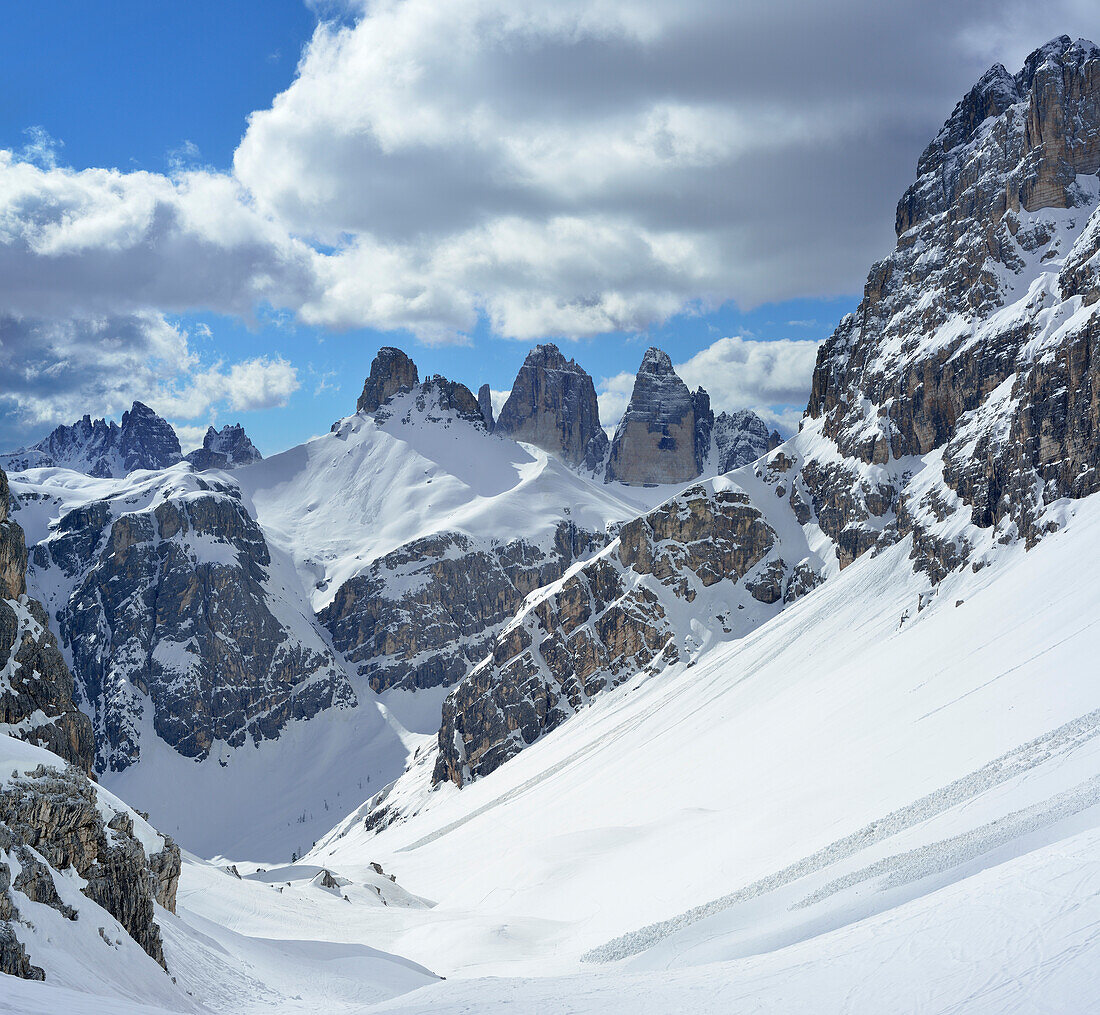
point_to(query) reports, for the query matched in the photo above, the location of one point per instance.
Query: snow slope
(326, 508)
(379, 481)
(860, 807)
(851, 756)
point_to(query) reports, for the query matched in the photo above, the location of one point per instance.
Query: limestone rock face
(146, 441)
(657, 441)
(553, 406)
(423, 614)
(36, 687)
(610, 620)
(226, 448)
(54, 811)
(485, 403)
(1001, 206)
(391, 372)
(98, 448)
(740, 438)
(172, 611)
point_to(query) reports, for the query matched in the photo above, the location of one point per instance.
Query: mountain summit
(98, 448)
(553, 406)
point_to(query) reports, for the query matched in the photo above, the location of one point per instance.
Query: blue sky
(454, 179)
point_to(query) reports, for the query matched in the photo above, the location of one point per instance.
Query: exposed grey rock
(451, 396)
(453, 596)
(160, 618)
(656, 440)
(53, 814)
(553, 406)
(740, 438)
(607, 622)
(883, 390)
(485, 403)
(98, 448)
(390, 372)
(36, 687)
(226, 448)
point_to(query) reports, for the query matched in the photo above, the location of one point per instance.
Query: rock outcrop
(101, 448)
(956, 409)
(617, 616)
(485, 403)
(172, 609)
(227, 448)
(423, 614)
(553, 406)
(52, 820)
(740, 438)
(664, 431)
(390, 372)
(968, 336)
(36, 687)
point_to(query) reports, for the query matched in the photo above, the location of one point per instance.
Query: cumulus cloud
(90, 263)
(53, 371)
(191, 437)
(569, 168)
(613, 396)
(558, 168)
(99, 241)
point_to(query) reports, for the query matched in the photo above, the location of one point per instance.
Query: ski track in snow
(1028, 756)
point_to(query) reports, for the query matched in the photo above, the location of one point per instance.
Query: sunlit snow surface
(845, 811)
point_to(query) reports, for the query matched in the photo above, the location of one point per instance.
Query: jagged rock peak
(226, 448)
(485, 403)
(553, 406)
(53, 819)
(658, 438)
(390, 373)
(453, 396)
(994, 234)
(1042, 123)
(740, 438)
(145, 440)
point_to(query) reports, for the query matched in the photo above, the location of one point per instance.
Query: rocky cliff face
(36, 687)
(976, 335)
(52, 820)
(738, 439)
(553, 406)
(390, 372)
(98, 448)
(485, 403)
(226, 448)
(174, 609)
(705, 565)
(665, 431)
(423, 614)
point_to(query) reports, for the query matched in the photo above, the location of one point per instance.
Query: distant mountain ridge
(101, 448)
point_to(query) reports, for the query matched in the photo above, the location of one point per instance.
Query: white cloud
(191, 437)
(739, 372)
(557, 167)
(569, 168)
(53, 371)
(98, 241)
(772, 378)
(613, 396)
(498, 398)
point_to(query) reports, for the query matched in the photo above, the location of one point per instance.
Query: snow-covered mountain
(226, 448)
(815, 733)
(101, 448)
